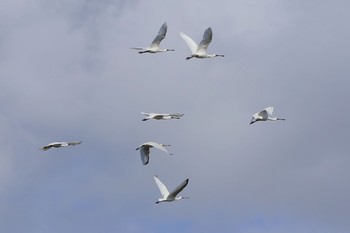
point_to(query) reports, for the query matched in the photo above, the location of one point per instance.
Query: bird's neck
(180, 198)
(214, 55)
(275, 119)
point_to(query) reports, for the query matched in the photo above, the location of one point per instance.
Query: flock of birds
(198, 51)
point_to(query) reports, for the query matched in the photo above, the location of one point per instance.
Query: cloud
(67, 73)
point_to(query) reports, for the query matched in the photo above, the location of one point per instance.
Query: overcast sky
(67, 74)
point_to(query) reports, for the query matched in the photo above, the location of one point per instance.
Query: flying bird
(154, 47)
(265, 115)
(59, 144)
(200, 51)
(161, 116)
(145, 149)
(168, 197)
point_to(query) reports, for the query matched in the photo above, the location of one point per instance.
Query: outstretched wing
(207, 37)
(261, 115)
(158, 146)
(45, 148)
(178, 189)
(138, 48)
(176, 115)
(161, 35)
(148, 116)
(162, 188)
(54, 144)
(145, 113)
(74, 143)
(144, 152)
(191, 44)
(269, 110)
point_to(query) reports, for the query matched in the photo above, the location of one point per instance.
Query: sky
(67, 73)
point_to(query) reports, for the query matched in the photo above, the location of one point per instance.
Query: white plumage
(145, 150)
(264, 115)
(200, 51)
(59, 144)
(161, 116)
(170, 196)
(154, 47)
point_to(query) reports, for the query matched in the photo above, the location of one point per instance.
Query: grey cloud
(66, 73)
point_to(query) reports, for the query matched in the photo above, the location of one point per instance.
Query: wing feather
(160, 36)
(144, 152)
(178, 189)
(45, 148)
(162, 188)
(207, 37)
(74, 143)
(176, 115)
(138, 48)
(269, 110)
(158, 146)
(263, 114)
(191, 44)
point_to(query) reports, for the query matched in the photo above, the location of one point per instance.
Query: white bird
(145, 148)
(265, 115)
(200, 51)
(168, 197)
(59, 144)
(161, 116)
(154, 47)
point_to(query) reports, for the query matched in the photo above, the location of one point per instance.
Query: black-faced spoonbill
(59, 144)
(161, 116)
(145, 149)
(265, 115)
(154, 47)
(172, 196)
(200, 51)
